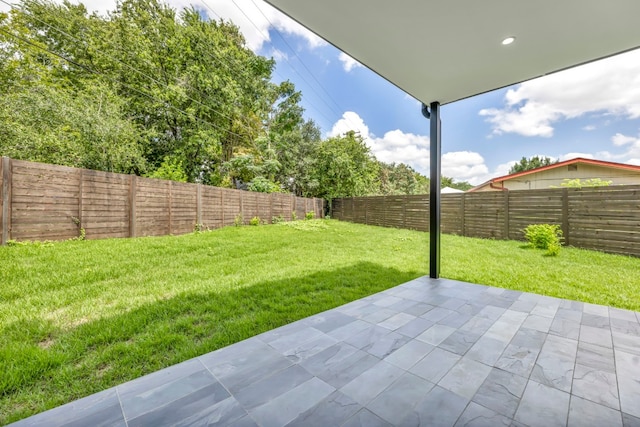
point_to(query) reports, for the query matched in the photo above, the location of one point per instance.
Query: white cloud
(610, 86)
(254, 17)
(397, 146)
(348, 63)
(619, 139)
(589, 128)
(463, 165)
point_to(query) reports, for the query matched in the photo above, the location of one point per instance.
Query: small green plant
(544, 236)
(327, 217)
(310, 215)
(294, 216)
(254, 221)
(199, 228)
(238, 220)
(82, 234)
(277, 219)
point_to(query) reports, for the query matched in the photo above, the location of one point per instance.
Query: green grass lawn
(80, 316)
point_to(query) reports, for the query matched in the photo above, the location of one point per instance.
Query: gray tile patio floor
(428, 352)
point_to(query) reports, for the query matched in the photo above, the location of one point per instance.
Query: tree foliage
(534, 162)
(163, 93)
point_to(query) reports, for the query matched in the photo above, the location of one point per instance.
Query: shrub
(277, 219)
(238, 221)
(310, 215)
(544, 236)
(294, 216)
(254, 221)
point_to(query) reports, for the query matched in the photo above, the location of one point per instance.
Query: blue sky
(591, 111)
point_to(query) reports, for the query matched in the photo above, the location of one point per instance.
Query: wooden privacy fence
(41, 201)
(604, 218)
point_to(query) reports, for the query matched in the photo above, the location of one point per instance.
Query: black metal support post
(435, 154)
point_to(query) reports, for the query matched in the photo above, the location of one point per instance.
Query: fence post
(198, 205)
(80, 192)
(565, 215)
(6, 199)
(462, 213)
(170, 206)
(506, 215)
(132, 205)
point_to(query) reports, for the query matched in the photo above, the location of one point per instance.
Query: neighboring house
(554, 175)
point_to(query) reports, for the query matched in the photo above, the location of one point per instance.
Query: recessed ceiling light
(508, 40)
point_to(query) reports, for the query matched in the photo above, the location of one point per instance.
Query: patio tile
(492, 312)
(518, 360)
(290, 405)
(245, 421)
(403, 305)
(415, 327)
(487, 350)
(380, 315)
(545, 310)
(477, 324)
(599, 310)
(384, 300)
(262, 391)
(537, 396)
(198, 407)
(400, 397)
(453, 303)
(506, 326)
(418, 309)
(596, 357)
(397, 321)
(627, 368)
(479, 416)
(337, 356)
(501, 392)
(595, 320)
(349, 330)
(262, 366)
(455, 320)
(556, 363)
(625, 327)
(470, 308)
(565, 328)
(137, 401)
(437, 314)
(529, 338)
(583, 413)
(386, 345)
(597, 336)
(630, 420)
(465, 377)
(523, 306)
(372, 382)
(367, 336)
(366, 418)
(100, 410)
(460, 342)
(436, 334)
(352, 367)
(538, 323)
(329, 320)
(309, 348)
(332, 411)
(626, 343)
(409, 354)
(440, 407)
(569, 314)
(435, 365)
(597, 386)
(618, 313)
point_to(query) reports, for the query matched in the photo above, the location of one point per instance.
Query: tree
(578, 183)
(344, 167)
(450, 182)
(534, 162)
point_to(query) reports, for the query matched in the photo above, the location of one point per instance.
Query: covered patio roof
(444, 51)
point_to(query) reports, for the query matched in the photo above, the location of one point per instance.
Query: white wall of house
(556, 176)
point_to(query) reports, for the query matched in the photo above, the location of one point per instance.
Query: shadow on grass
(109, 351)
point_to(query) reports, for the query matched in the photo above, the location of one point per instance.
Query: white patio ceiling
(447, 50)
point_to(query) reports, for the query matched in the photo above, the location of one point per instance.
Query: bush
(294, 216)
(254, 221)
(277, 219)
(238, 220)
(544, 236)
(310, 215)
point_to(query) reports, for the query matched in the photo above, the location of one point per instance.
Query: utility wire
(90, 70)
(141, 73)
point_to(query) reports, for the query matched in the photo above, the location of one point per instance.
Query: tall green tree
(528, 163)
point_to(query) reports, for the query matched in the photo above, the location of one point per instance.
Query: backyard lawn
(77, 317)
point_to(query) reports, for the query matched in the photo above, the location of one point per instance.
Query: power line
(29, 42)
